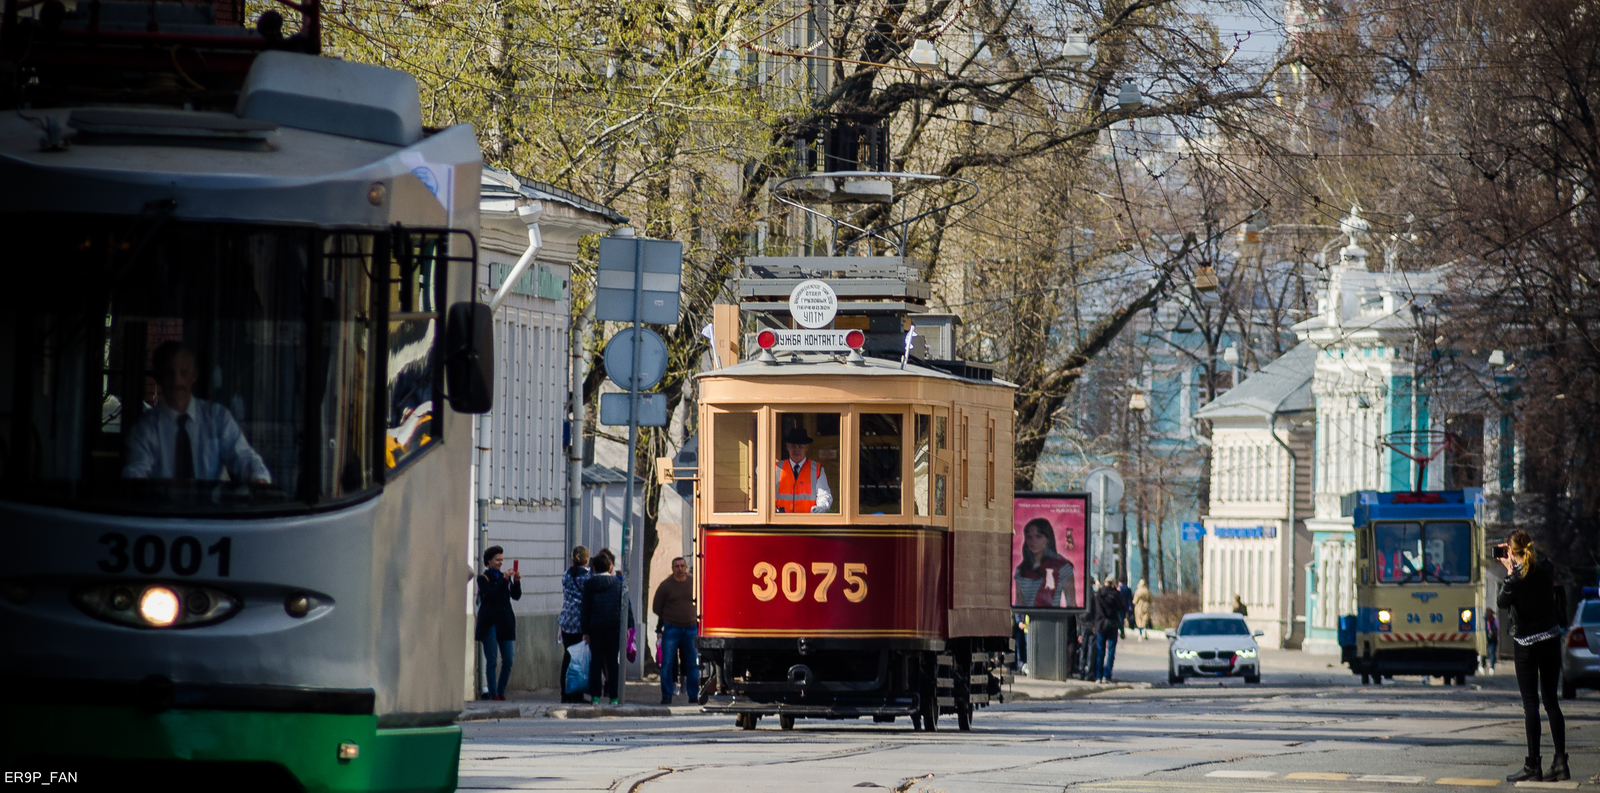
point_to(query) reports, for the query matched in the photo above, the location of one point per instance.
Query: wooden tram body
(895, 602)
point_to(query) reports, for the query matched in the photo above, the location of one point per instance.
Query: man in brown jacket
(673, 604)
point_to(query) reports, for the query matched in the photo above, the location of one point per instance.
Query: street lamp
(1137, 403)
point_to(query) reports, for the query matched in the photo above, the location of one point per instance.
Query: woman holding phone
(1531, 598)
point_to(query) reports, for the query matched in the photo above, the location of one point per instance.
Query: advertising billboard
(1049, 546)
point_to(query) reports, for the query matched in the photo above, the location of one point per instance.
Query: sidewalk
(643, 699)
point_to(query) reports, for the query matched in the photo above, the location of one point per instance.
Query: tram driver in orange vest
(802, 484)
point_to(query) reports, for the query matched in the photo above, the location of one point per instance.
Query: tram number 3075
(149, 554)
(792, 581)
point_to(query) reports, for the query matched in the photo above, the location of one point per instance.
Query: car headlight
(1251, 653)
(1187, 653)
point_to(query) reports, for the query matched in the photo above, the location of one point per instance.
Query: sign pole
(1100, 533)
(633, 450)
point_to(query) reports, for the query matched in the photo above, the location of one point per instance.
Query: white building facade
(521, 475)
(1255, 545)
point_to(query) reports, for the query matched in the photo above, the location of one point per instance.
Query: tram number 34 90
(791, 581)
(149, 554)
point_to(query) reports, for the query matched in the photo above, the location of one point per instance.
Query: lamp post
(1137, 404)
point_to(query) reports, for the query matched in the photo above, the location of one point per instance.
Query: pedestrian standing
(1141, 607)
(497, 625)
(1491, 631)
(1239, 607)
(1537, 614)
(571, 621)
(603, 596)
(673, 604)
(1110, 601)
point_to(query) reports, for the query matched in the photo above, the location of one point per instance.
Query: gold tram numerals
(791, 581)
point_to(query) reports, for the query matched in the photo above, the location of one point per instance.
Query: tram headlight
(1467, 624)
(766, 340)
(855, 339)
(159, 606)
(147, 604)
(1385, 620)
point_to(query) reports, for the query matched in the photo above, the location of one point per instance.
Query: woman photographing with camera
(1529, 595)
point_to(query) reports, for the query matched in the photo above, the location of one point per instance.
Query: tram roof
(824, 364)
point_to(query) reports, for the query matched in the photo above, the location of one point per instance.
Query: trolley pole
(633, 451)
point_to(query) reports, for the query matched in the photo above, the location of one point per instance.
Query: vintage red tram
(888, 595)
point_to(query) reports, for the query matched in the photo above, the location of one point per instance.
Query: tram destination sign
(812, 340)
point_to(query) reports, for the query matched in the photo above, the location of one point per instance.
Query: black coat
(1532, 601)
(1109, 611)
(603, 596)
(495, 593)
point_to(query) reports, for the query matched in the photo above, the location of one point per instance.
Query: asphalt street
(1308, 727)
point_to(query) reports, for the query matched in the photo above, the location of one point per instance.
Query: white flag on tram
(710, 332)
(905, 356)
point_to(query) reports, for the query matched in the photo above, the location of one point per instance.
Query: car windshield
(197, 368)
(1434, 551)
(1213, 626)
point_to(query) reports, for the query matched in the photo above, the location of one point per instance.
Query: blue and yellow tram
(1419, 586)
(232, 495)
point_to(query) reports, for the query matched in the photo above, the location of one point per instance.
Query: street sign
(1193, 531)
(660, 262)
(812, 340)
(652, 358)
(652, 409)
(813, 304)
(1112, 494)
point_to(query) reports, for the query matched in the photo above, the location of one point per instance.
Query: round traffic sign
(813, 304)
(1104, 483)
(652, 358)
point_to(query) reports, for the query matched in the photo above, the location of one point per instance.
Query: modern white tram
(237, 303)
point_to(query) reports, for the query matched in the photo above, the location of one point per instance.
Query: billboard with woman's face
(1048, 545)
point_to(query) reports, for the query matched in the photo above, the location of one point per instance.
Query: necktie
(183, 454)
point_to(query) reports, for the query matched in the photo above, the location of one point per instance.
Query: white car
(1213, 645)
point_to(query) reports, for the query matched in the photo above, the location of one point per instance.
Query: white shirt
(214, 437)
(819, 484)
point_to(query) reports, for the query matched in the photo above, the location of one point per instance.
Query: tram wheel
(916, 722)
(786, 722)
(747, 721)
(964, 717)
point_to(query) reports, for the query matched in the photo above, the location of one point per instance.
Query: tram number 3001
(791, 581)
(149, 554)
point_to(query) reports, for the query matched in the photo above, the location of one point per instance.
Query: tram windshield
(808, 463)
(1436, 551)
(197, 368)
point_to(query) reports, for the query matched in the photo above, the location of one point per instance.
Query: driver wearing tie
(186, 437)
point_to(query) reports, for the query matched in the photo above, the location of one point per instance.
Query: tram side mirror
(469, 358)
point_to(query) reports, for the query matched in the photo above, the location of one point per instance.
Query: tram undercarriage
(852, 679)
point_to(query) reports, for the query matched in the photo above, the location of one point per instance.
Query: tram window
(921, 462)
(205, 335)
(808, 463)
(1447, 551)
(879, 469)
(412, 426)
(733, 457)
(964, 473)
(941, 465)
(1399, 556)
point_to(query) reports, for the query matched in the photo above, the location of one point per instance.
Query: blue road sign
(1193, 531)
(656, 266)
(618, 356)
(652, 409)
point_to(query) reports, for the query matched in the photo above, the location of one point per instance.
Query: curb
(611, 711)
(484, 714)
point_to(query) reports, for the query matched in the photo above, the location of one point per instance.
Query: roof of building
(1284, 386)
(495, 180)
(606, 475)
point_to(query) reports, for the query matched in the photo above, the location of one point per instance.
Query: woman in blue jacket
(497, 625)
